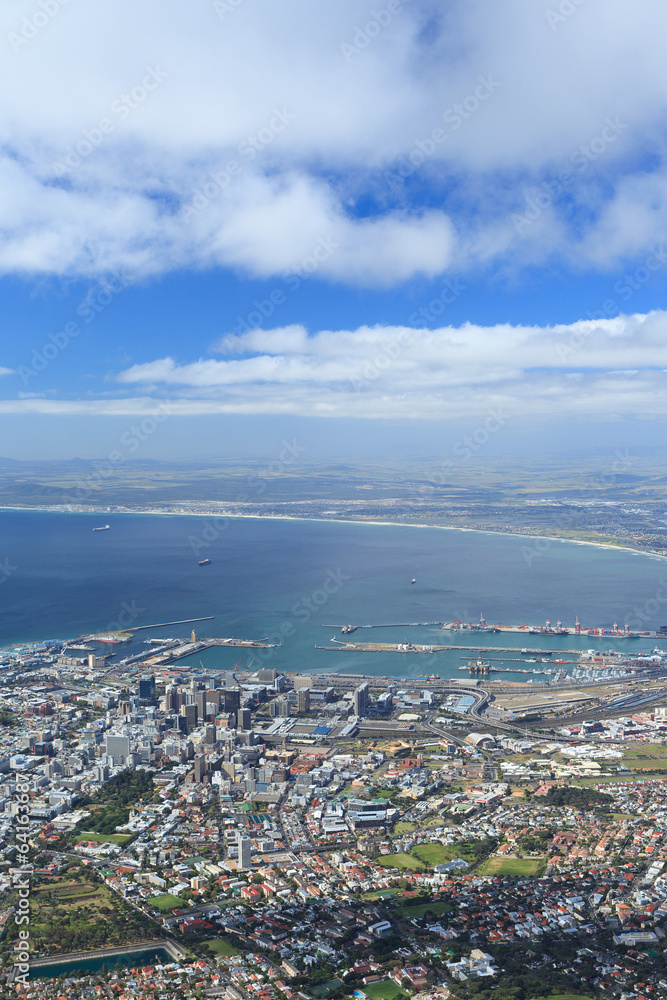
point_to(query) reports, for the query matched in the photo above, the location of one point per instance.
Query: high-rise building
(245, 845)
(191, 715)
(171, 699)
(210, 737)
(118, 747)
(213, 697)
(361, 699)
(147, 688)
(230, 699)
(244, 718)
(303, 703)
(200, 767)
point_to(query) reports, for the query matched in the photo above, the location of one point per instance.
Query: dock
(183, 621)
(543, 631)
(388, 625)
(385, 647)
(402, 647)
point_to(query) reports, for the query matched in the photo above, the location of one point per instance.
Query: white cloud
(6, 371)
(587, 368)
(268, 87)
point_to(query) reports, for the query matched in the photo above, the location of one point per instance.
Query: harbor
(483, 627)
(409, 647)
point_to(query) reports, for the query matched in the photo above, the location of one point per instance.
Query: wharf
(159, 658)
(509, 659)
(391, 647)
(183, 621)
(388, 625)
(384, 647)
(537, 631)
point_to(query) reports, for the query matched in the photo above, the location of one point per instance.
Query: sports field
(510, 866)
(385, 990)
(401, 860)
(165, 903)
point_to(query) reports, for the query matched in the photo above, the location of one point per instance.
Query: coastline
(515, 533)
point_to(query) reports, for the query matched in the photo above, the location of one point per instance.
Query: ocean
(282, 580)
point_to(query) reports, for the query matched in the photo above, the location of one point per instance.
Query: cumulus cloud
(589, 368)
(239, 138)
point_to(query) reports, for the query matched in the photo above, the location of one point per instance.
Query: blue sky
(368, 224)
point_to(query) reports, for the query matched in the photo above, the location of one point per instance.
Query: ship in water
(204, 562)
(536, 652)
(113, 638)
(104, 527)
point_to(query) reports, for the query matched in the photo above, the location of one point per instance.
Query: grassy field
(401, 860)
(657, 750)
(165, 903)
(222, 948)
(434, 854)
(105, 838)
(71, 892)
(385, 990)
(645, 764)
(565, 996)
(77, 914)
(382, 894)
(402, 827)
(510, 866)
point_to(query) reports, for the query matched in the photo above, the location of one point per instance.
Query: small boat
(413, 581)
(104, 527)
(204, 562)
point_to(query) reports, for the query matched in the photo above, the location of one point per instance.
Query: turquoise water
(282, 579)
(152, 956)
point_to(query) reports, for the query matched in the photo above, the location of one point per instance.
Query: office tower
(303, 703)
(147, 688)
(361, 699)
(190, 713)
(244, 717)
(172, 699)
(118, 747)
(244, 852)
(231, 699)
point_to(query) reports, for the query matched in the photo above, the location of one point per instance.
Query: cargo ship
(536, 652)
(204, 562)
(104, 527)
